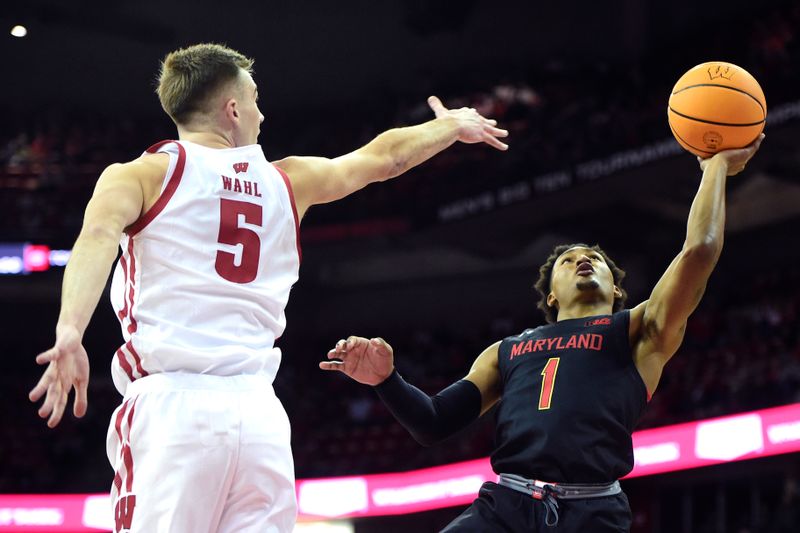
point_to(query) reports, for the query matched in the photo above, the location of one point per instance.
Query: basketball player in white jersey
(209, 236)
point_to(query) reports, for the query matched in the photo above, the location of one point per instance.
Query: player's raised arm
(428, 419)
(318, 180)
(116, 203)
(658, 325)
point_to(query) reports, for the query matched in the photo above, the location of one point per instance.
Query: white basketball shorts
(199, 453)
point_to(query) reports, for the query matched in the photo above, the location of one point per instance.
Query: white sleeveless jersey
(205, 274)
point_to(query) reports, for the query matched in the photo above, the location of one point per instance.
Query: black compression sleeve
(430, 419)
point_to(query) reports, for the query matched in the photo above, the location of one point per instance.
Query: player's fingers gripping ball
(716, 106)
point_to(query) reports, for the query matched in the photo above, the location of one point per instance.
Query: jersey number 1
(231, 233)
(548, 382)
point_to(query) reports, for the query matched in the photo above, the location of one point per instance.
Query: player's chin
(588, 284)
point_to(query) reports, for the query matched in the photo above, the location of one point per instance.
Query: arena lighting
(23, 258)
(36, 257)
(11, 258)
(19, 31)
(328, 502)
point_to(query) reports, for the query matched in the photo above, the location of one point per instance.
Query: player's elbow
(100, 232)
(387, 156)
(427, 439)
(395, 167)
(427, 434)
(387, 165)
(433, 432)
(704, 253)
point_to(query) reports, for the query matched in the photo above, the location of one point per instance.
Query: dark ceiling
(313, 53)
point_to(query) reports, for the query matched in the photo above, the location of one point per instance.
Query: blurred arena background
(441, 261)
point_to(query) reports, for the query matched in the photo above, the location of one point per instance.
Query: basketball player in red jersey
(572, 390)
(209, 237)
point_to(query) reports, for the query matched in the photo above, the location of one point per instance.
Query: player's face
(250, 118)
(581, 275)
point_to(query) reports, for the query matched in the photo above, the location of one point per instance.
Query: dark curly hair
(543, 287)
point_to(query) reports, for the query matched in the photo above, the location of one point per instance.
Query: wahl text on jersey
(242, 186)
(584, 341)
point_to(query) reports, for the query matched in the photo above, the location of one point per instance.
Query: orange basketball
(716, 106)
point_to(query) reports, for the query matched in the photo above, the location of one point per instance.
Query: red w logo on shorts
(240, 167)
(123, 512)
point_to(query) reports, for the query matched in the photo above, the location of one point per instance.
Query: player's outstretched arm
(658, 325)
(428, 419)
(115, 204)
(318, 180)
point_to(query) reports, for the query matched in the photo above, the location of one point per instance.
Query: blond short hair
(190, 76)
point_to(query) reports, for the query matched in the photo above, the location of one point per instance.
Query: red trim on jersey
(137, 359)
(166, 194)
(133, 325)
(294, 209)
(124, 264)
(132, 290)
(126, 366)
(126, 452)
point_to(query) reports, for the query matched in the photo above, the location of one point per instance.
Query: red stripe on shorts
(118, 428)
(126, 451)
(137, 359)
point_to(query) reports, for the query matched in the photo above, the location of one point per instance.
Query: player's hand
(734, 160)
(68, 367)
(472, 127)
(368, 361)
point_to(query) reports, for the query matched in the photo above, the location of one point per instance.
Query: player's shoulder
(304, 166)
(147, 167)
(289, 163)
(636, 325)
(156, 163)
(525, 334)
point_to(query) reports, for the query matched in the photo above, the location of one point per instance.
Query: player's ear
(552, 301)
(232, 109)
(617, 292)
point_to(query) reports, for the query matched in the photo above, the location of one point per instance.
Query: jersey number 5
(548, 382)
(231, 233)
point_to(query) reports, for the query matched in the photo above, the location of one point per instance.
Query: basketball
(716, 106)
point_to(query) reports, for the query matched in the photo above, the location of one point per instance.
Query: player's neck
(581, 310)
(208, 138)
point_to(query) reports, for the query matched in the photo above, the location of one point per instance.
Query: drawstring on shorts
(550, 493)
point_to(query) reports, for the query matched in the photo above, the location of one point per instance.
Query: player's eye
(566, 260)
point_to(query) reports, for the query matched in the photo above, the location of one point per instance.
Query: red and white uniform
(205, 274)
(200, 291)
